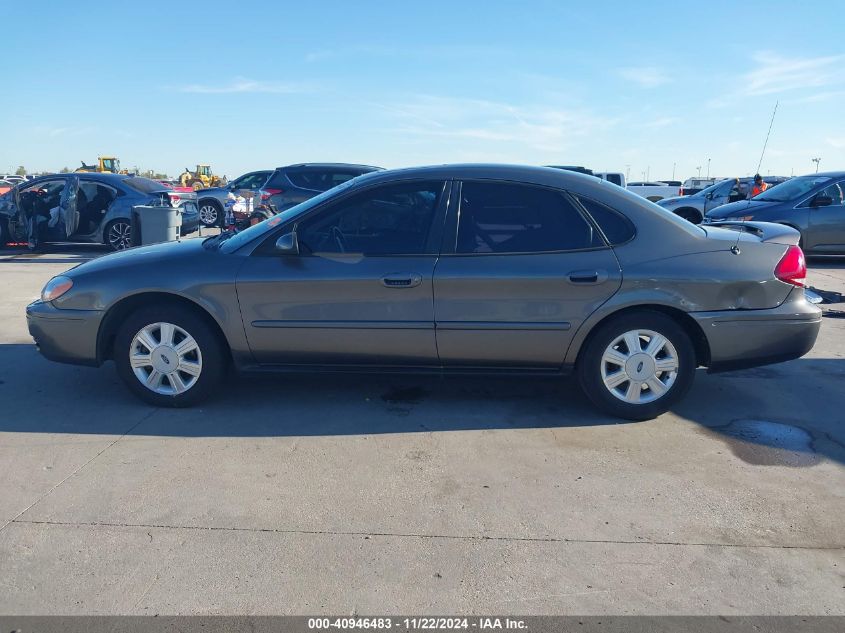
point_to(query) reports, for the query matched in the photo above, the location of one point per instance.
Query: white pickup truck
(653, 191)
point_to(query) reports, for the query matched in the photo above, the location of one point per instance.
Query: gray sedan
(464, 268)
(695, 206)
(84, 208)
(813, 205)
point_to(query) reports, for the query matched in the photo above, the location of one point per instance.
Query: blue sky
(613, 85)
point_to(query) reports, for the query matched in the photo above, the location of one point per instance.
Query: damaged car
(453, 268)
(86, 208)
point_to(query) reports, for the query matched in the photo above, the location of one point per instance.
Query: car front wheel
(169, 356)
(637, 366)
(209, 214)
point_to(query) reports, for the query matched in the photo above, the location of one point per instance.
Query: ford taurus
(462, 268)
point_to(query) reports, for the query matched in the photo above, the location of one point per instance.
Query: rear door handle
(585, 277)
(401, 280)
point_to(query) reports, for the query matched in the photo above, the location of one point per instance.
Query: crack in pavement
(458, 537)
(50, 491)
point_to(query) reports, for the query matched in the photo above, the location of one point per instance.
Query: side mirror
(288, 244)
(821, 201)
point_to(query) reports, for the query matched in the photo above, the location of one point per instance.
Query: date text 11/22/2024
(417, 623)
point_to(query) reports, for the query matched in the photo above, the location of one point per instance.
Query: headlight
(55, 288)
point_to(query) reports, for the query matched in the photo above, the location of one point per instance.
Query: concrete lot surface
(372, 494)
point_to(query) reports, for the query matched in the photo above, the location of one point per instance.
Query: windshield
(262, 228)
(710, 189)
(792, 189)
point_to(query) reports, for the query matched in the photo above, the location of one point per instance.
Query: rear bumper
(750, 338)
(64, 336)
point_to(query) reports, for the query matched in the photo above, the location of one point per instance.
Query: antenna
(771, 123)
(735, 248)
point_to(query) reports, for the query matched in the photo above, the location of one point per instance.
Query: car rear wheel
(209, 214)
(637, 366)
(169, 356)
(118, 234)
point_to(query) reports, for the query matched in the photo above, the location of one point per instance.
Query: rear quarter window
(144, 185)
(616, 227)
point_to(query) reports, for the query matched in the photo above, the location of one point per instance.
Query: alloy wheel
(208, 215)
(165, 358)
(639, 366)
(120, 236)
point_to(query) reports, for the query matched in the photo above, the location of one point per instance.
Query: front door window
(389, 220)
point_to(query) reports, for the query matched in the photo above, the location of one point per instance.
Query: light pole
(816, 161)
(708, 169)
(699, 171)
(627, 172)
(673, 170)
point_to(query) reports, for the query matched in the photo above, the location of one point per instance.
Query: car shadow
(788, 414)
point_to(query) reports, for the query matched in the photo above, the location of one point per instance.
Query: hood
(676, 200)
(142, 255)
(743, 207)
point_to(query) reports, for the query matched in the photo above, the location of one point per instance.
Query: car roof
(548, 176)
(829, 174)
(331, 166)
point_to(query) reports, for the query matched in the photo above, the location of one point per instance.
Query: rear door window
(512, 218)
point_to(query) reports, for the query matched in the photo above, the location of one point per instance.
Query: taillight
(681, 191)
(792, 268)
(266, 194)
(174, 197)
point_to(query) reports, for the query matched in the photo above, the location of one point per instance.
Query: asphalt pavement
(383, 494)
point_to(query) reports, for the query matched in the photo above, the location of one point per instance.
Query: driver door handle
(401, 280)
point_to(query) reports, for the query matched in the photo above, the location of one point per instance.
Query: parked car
(454, 268)
(694, 185)
(653, 190)
(576, 168)
(615, 177)
(288, 186)
(694, 207)
(212, 201)
(814, 205)
(5, 186)
(90, 207)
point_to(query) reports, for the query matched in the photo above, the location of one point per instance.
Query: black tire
(210, 213)
(591, 366)
(118, 234)
(211, 354)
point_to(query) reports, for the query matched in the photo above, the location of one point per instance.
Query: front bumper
(64, 336)
(749, 338)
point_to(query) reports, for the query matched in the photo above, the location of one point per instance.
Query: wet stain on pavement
(405, 395)
(767, 443)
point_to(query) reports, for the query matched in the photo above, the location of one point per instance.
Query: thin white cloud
(242, 85)
(316, 56)
(661, 122)
(539, 127)
(838, 143)
(775, 73)
(54, 132)
(645, 76)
